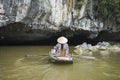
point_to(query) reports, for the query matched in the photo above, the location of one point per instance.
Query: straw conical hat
(62, 40)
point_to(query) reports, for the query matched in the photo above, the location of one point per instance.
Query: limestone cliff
(55, 15)
(52, 14)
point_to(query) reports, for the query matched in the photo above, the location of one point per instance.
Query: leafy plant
(108, 9)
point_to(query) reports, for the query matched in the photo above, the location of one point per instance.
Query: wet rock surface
(102, 48)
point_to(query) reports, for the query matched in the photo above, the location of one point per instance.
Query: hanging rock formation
(41, 18)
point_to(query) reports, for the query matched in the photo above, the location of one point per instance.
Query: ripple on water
(39, 68)
(26, 69)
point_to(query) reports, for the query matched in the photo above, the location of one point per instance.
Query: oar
(27, 55)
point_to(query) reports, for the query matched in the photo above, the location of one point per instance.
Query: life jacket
(62, 51)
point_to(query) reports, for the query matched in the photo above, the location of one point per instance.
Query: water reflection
(15, 66)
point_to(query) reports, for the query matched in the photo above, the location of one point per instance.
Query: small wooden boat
(56, 59)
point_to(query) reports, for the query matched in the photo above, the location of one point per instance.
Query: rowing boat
(57, 59)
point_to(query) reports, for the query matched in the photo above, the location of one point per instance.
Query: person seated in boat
(62, 48)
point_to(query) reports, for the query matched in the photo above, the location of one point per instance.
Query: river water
(14, 65)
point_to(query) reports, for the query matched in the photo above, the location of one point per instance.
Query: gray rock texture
(51, 16)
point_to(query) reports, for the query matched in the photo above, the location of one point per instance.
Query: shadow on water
(75, 40)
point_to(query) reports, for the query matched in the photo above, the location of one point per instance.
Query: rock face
(51, 13)
(54, 15)
(104, 49)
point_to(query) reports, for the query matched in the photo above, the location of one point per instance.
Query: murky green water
(15, 66)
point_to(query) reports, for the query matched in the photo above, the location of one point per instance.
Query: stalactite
(70, 5)
(57, 12)
(91, 9)
(63, 14)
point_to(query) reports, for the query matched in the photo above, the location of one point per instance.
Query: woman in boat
(62, 48)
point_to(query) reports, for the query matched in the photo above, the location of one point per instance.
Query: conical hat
(62, 40)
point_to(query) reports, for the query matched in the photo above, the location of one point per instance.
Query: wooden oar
(28, 55)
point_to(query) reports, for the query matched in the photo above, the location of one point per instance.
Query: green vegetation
(108, 9)
(80, 3)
